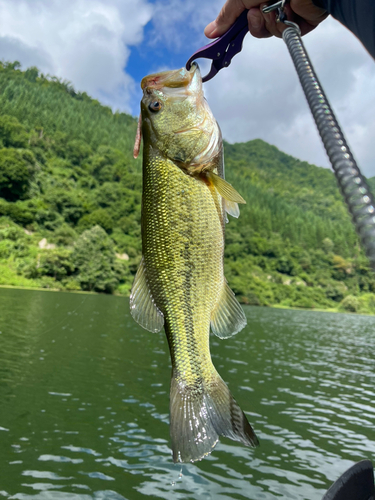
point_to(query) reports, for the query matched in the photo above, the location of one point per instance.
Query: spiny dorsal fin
(142, 306)
(228, 317)
(225, 189)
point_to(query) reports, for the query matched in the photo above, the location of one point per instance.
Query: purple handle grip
(222, 50)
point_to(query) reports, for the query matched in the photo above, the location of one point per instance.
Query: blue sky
(168, 42)
(150, 57)
(105, 47)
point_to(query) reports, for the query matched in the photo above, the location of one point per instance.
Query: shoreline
(273, 306)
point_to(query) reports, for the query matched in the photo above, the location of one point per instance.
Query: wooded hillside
(70, 202)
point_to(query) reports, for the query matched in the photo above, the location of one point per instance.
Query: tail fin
(200, 414)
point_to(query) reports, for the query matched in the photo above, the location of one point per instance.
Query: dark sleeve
(356, 15)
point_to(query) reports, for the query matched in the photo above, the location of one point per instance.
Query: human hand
(302, 12)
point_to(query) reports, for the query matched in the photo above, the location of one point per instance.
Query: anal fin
(142, 306)
(228, 317)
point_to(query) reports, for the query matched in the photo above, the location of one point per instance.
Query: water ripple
(94, 411)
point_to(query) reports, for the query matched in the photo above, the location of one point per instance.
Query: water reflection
(84, 403)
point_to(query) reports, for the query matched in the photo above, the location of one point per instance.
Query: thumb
(228, 14)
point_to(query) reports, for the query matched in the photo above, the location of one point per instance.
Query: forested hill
(70, 202)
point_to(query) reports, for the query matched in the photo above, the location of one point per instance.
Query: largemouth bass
(180, 282)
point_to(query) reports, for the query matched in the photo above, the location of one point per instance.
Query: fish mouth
(175, 79)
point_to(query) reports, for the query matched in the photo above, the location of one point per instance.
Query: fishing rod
(352, 184)
(357, 483)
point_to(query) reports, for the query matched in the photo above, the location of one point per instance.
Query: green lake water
(84, 402)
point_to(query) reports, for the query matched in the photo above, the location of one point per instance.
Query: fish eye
(154, 106)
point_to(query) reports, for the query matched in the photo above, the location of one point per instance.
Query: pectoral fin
(230, 196)
(228, 317)
(225, 189)
(142, 306)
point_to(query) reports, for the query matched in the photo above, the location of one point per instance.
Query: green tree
(12, 132)
(327, 245)
(56, 263)
(16, 171)
(65, 235)
(18, 212)
(68, 203)
(350, 304)
(32, 74)
(98, 217)
(94, 257)
(77, 151)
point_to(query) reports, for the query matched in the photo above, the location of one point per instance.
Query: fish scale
(181, 261)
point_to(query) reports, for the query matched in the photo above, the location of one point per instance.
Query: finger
(305, 27)
(261, 25)
(308, 11)
(227, 16)
(231, 10)
(270, 23)
(256, 24)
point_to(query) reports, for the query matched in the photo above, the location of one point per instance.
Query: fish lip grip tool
(222, 50)
(353, 186)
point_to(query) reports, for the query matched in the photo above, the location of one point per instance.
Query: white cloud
(178, 23)
(86, 42)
